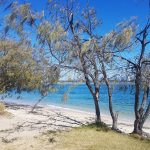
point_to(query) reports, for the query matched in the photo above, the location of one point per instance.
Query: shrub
(2, 108)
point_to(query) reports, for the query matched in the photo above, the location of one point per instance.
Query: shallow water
(79, 97)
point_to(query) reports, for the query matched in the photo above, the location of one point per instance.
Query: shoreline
(105, 117)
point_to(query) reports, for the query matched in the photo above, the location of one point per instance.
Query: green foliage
(124, 38)
(99, 126)
(19, 18)
(18, 70)
(50, 34)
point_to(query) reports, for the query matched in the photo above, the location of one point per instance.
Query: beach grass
(3, 112)
(93, 137)
(2, 108)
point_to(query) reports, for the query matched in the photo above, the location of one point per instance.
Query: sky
(110, 11)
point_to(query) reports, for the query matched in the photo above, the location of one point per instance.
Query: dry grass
(93, 138)
(2, 108)
(3, 112)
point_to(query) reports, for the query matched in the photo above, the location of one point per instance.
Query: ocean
(77, 96)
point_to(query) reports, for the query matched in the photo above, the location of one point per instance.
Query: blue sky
(110, 11)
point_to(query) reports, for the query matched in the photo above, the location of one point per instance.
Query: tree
(22, 67)
(107, 80)
(80, 48)
(137, 69)
(17, 68)
(86, 52)
(111, 44)
(142, 83)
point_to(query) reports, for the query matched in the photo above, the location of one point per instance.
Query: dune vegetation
(93, 138)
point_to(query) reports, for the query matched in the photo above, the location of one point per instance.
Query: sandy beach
(19, 125)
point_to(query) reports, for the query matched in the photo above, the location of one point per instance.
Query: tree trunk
(137, 127)
(35, 105)
(113, 115)
(140, 120)
(97, 110)
(140, 115)
(141, 123)
(136, 105)
(95, 95)
(115, 122)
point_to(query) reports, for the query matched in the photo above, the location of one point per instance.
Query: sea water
(77, 96)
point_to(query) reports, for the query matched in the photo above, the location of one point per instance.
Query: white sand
(25, 125)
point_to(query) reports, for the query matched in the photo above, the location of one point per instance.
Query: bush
(2, 108)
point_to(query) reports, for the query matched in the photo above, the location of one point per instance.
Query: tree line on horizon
(35, 47)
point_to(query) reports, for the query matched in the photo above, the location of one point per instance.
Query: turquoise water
(80, 98)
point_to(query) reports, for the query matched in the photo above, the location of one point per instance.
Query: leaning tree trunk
(35, 105)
